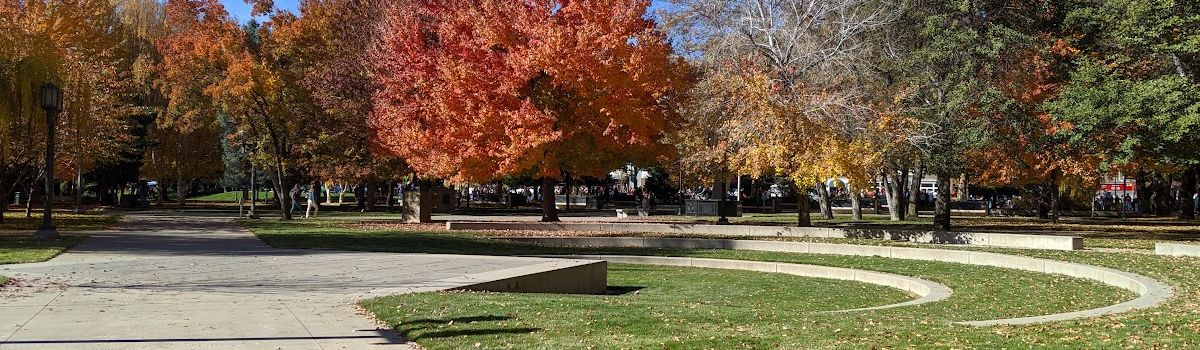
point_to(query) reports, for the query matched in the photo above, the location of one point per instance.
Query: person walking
(295, 197)
(312, 202)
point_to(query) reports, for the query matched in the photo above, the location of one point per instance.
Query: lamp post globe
(52, 98)
(52, 102)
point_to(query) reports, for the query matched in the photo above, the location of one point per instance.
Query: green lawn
(18, 246)
(675, 307)
(17, 249)
(979, 293)
(64, 221)
(229, 197)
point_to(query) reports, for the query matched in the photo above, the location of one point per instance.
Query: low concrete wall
(1150, 292)
(926, 291)
(590, 277)
(1008, 240)
(1177, 249)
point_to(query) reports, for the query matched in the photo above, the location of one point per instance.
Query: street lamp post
(52, 101)
(246, 148)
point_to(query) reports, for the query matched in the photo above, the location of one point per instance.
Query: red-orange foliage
(1025, 151)
(195, 54)
(475, 89)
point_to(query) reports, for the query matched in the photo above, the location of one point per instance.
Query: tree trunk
(803, 217)
(342, 194)
(1187, 188)
(253, 192)
(1162, 196)
(823, 201)
(894, 184)
(78, 187)
(281, 194)
(878, 192)
(720, 192)
(180, 191)
(549, 212)
(902, 185)
(4, 193)
(964, 191)
(1055, 196)
(941, 209)
(162, 193)
(371, 194)
(29, 200)
(391, 193)
(914, 191)
(567, 192)
(1142, 189)
(855, 201)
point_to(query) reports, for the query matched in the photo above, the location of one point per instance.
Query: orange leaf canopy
(477, 89)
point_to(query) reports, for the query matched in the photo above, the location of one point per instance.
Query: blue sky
(241, 11)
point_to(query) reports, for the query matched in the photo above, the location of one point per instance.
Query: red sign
(1116, 187)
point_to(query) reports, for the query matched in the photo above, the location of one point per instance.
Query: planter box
(709, 207)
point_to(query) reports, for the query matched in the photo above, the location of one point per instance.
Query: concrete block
(770, 231)
(1031, 241)
(417, 206)
(864, 233)
(689, 243)
(604, 241)
(590, 277)
(1177, 249)
(952, 237)
(548, 241)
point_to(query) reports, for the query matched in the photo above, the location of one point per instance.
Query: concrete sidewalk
(187, 282)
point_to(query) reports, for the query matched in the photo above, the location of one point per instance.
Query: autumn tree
(180, 158)
(817, 106)
(76, 45)
(1132, 97)
(1027, 148)
(263, 94)
(477, 89)
(330, 44)
(198, 51)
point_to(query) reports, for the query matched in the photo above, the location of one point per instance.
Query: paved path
(189, 282)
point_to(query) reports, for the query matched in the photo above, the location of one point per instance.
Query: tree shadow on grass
(472, 324)
(469, 319)
(467, 332)
(622, 290)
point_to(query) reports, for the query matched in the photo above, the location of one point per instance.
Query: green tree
(1133, 96)
(952, 51)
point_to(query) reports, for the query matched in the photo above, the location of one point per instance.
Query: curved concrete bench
(1150, 292)
(926, 291)
(1009, 240)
